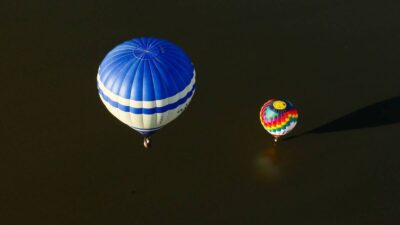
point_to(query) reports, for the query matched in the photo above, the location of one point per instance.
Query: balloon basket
(147, 142)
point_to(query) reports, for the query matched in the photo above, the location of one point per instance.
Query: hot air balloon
(278, 117)
(146, 83)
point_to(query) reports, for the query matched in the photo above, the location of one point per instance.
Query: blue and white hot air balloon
(146, 83)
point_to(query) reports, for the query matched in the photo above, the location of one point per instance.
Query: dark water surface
(64, 159)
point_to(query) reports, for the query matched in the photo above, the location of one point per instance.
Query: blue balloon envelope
(146, 83)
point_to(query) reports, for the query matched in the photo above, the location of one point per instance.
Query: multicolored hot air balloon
(146, 83)
(278, 117)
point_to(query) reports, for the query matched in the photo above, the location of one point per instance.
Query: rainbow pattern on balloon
(278, 116)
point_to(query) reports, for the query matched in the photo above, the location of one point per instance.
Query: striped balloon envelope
(278, 117)
(146, 83)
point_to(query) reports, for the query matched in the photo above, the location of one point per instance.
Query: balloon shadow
(382, 113)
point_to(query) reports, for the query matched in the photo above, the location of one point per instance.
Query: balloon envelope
(278, 116)
(146, 83)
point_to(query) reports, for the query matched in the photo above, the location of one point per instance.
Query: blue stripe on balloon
(146, 69)
(147, 111)
(146, 132)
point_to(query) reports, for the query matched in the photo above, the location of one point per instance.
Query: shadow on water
(378, 114)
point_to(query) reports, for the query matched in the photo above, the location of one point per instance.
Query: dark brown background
(65, 160)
